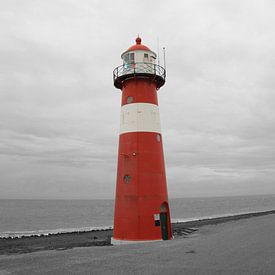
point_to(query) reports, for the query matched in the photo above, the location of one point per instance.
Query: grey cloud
(59, 111)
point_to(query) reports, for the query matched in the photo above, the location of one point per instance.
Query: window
(129, 58)
(158, 137)
(126, 58)
(132, 58)
(146, 57)
(127, 178)
(129, 99)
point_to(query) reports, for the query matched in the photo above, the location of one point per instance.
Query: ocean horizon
(21, 217)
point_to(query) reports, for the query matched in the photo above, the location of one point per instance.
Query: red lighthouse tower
(141, 206)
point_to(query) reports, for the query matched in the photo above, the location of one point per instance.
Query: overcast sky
(59, 110)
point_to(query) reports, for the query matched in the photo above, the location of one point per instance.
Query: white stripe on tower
(139, 117)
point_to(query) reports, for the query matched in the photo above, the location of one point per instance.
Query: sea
(36, 217)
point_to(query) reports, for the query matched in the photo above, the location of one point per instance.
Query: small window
(127, 178)
(158, 137)
(126, 58)
(132, 57)
(146, 57)
(129, 99)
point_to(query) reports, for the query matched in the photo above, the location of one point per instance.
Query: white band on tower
(139, 117)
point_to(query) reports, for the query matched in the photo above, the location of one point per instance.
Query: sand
(245, 246)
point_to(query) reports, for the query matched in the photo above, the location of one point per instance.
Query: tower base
(122, 242)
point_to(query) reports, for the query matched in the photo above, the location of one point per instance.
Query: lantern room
(139, 61)
(138, 54)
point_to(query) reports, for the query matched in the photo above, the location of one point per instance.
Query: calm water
(34, 215)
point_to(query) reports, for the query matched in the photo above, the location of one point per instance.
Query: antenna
(164, 61)
(158, 49)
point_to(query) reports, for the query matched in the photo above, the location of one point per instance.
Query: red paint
(141, 162)
(138, 46)
(141, 198)
(142, 91)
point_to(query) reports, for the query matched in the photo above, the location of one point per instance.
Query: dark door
(164, 227)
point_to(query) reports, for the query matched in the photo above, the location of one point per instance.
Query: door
(164, 226)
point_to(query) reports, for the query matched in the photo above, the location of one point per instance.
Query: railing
(139, 68)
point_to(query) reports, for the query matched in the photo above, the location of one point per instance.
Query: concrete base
(120, 242)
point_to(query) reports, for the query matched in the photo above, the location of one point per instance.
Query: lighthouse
(141, 203)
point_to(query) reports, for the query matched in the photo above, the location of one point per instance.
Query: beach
(236, 246)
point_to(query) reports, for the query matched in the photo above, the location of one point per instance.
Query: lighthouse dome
(138, 46)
